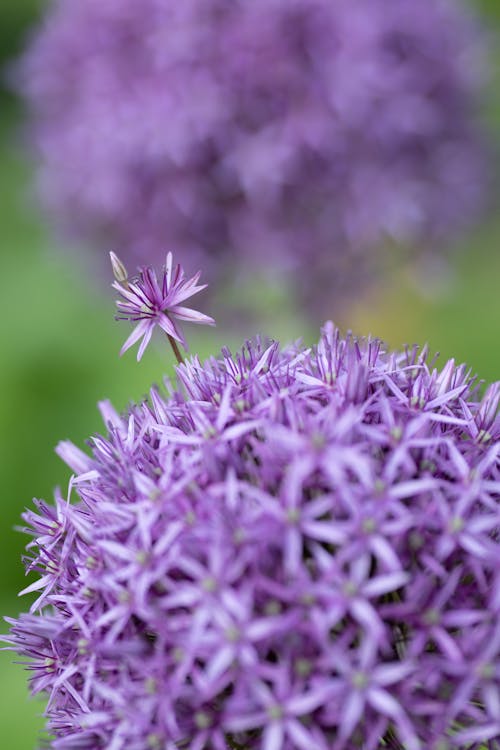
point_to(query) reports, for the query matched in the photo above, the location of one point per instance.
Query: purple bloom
(297, 549)
(153, 303)
(308, 131)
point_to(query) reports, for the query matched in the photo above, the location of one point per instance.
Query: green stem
(175, 348)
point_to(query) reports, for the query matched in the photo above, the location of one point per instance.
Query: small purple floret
(298, 549)
(151, 302)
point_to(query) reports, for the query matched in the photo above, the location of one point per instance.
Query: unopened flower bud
(119, 270)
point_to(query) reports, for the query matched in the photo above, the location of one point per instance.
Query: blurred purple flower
(307, 132)
(296, 550)
(151, 303)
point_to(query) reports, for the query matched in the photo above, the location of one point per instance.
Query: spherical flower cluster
(310, 129)
(297, 549)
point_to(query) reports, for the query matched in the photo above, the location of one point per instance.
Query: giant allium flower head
(291, 549)
(310, 129)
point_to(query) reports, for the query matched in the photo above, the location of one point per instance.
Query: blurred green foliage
(59, 344)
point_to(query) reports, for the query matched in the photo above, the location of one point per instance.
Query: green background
(59, 343)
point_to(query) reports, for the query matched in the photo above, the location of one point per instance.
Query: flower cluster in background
(300, 133)
(295, 550)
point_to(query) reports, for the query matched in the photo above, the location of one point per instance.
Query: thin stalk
(175, 348)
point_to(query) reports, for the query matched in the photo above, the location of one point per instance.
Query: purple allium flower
(297, 549)
(151, 303)
(308, 131)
